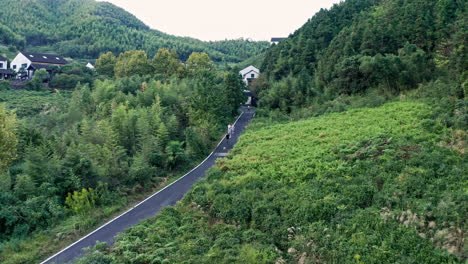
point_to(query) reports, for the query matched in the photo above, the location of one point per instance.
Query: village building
(4, 72)
(249, 74)
(90, 66)
(27, 63)
(276, 40)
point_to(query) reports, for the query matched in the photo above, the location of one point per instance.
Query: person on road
(228, 136)
(229, 132)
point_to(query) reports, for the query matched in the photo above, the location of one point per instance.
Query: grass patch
(28, 103)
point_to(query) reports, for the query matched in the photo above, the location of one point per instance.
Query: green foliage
(88, 28)
(199, 63)
(37, 82)
(303, 48)
(357, 46)
(28, 103)
(370, 185)
(8, 37)
(8, 138)
(166, 64)
(81, 202)
(4, 86)
(132, 63)
(70, 75)
(233, 92)
(80, 153)
(105, 64)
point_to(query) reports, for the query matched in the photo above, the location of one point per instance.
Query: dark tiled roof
(45, 58)
(276, 39)
(37, 66)
(3, 58)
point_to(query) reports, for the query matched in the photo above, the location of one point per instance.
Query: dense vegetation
(81, 154)
(86, 29)
(381, 185)
(368, 185)
(363, 45)
(29, 103)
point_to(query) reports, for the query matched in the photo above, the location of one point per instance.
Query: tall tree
(232, 92)
(8, 139)
(105, 64)
(166, 63)
(131, 63)
(199, 62)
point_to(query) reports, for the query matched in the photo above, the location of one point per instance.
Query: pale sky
(225, 19)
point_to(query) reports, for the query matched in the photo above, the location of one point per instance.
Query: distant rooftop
(45, 58)
(277, 39)
(3, 58)
(249, 69)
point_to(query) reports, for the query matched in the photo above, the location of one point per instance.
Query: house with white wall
(249, 74)
(4, 72)
(30, 62)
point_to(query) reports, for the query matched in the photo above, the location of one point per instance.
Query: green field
(30, 103)
(374, 185)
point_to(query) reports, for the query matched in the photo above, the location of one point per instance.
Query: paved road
(153, 204)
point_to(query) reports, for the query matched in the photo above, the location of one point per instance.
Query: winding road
(168, 196)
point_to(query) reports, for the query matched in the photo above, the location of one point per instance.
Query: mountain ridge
(87, 28)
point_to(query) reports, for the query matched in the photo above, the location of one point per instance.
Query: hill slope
(86, 28)
(362, 45)
(371, 185)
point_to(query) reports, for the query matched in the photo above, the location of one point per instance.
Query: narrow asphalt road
(153, 204)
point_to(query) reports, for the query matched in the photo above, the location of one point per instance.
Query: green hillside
(374, 173)
(362, 45)
(86, 29)
(357, 153)
(381, 185)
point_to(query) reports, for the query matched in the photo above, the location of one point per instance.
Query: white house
(249, 74)
(31, 62)
(4, 72)
(90, 66)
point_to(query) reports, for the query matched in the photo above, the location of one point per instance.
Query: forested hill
(86, 28)
(335, 40)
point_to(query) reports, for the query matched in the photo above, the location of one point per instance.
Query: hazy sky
(225, 19)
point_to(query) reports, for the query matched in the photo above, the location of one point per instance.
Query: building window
(1, 65)
(14, 67)
(253, 75)
(24, 65)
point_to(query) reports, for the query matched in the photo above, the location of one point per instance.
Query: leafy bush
(81, 202)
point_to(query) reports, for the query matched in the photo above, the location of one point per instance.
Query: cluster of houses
(26, 63)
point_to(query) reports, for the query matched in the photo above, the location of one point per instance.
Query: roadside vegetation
(371, 185)
(76, 158)
(357, 153)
